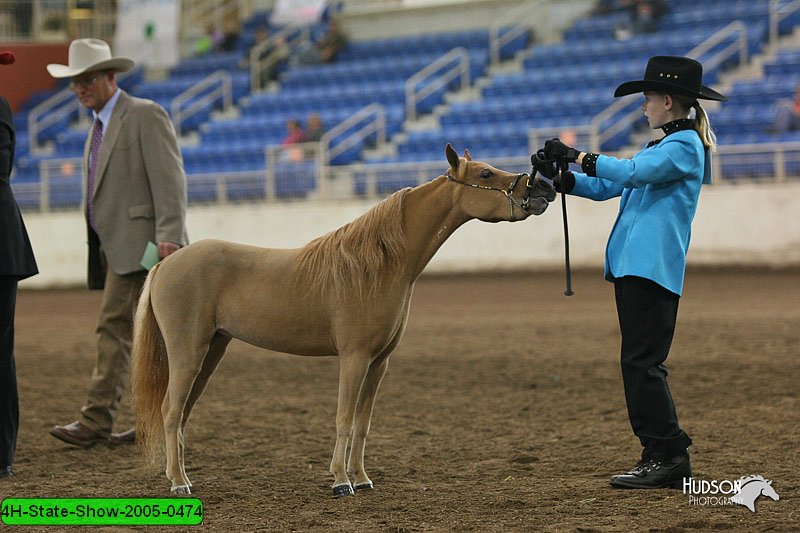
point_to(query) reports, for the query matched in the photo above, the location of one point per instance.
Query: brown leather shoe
(126, 437)
(76, 434)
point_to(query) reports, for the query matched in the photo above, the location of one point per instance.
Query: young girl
(646, 252)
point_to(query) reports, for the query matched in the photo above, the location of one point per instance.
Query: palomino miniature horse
(346, 293)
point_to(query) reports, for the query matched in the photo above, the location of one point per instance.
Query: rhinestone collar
(671, 127)
(678, 125)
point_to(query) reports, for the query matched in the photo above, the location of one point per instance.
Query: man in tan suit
(136, 192)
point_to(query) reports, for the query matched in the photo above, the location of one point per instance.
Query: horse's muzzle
(542, 193)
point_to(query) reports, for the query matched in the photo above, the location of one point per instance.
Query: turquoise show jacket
(659, 189)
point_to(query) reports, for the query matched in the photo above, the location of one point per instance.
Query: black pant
(647, 315)
(9, 402)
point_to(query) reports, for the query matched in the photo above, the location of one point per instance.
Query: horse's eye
(486, 174)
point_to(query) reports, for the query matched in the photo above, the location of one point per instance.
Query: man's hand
(165, 248)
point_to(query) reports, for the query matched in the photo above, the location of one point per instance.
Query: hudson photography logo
(743, 491)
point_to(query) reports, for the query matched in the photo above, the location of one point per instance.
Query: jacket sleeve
(595, 188)
(165, 173)
(670, 160)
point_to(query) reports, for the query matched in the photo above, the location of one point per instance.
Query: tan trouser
(114, 339)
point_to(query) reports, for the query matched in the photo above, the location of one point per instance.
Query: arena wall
(747, 224)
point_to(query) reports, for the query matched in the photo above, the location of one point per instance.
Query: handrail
(461, 69)
(518, 19)
(37, 121)
(737, 26)
(292, 36)
(776, 14)
(224, 91)
(326, 153)
(598, 135)
(783, 155)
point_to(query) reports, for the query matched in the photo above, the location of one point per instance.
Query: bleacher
(562, 84)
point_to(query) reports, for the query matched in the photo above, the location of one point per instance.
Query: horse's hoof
(343, 490)
(363, 486)
(181, 490)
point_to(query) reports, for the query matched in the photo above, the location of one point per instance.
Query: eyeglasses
(85, 83)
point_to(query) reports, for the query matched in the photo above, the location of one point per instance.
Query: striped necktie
(94, 152)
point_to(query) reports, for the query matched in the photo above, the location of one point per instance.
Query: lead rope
(551, 168)
(563, 166)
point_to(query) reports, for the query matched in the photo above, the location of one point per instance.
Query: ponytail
(701, 122)
(703, 127)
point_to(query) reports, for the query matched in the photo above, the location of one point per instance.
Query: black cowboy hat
(672, 75)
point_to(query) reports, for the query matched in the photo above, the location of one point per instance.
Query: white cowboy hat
(86, 55)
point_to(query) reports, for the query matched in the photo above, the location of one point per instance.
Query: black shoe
(655, 474)
(6, 471)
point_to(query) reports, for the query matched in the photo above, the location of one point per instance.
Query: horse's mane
(348, 260)
(745, 480)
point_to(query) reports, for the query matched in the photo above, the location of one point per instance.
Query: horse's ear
(466, 155)
(452, 156)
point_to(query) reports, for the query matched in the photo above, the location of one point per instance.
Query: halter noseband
(509, 192)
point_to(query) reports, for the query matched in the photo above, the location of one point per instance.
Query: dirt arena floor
(502, 411)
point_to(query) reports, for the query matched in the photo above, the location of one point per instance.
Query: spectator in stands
(294, 132)
(314, 129)
(230, 38)
(643, 17)
(16, 263)
(326, 49)
(273, 55)
(136, 196)
(646, 252)
(788, 116)
(208, 42)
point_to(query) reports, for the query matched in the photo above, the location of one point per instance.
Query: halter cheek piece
(509, 192)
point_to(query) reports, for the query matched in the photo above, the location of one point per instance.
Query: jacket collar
(672, 127)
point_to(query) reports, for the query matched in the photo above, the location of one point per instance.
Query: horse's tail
(150, 374)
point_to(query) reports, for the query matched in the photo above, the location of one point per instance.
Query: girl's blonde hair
(702, 124)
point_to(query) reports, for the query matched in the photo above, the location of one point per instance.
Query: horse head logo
(751, 487)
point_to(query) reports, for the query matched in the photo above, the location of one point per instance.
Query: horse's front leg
(352, 369)
(364, 407)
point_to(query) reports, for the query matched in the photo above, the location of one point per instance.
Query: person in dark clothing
(659, 189)
(16, 263)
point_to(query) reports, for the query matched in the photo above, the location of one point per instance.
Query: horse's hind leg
(184, 369)
(352, 370)
(216, 349)
(366, 402)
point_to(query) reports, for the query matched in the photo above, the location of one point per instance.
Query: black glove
(565, 181)
(540, 164)
(555, 149)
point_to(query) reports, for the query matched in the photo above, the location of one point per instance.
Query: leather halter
(509, 192)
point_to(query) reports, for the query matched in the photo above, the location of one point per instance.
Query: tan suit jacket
(140, 187)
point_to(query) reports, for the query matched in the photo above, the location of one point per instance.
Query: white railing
(290, 38)
(223, 91)
(438, 74)
(62, 181)
(737, 28)
(596, 132)
(515, 22)
(777, 12)
(372, 120)
(58, 106)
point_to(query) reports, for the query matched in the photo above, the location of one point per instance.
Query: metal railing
(777, 12)
(283, 44)
(368, 121)
(223, 91)
(56, 108)
(616, 118)
(515, 22)
(437, 75)
(295, 172)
